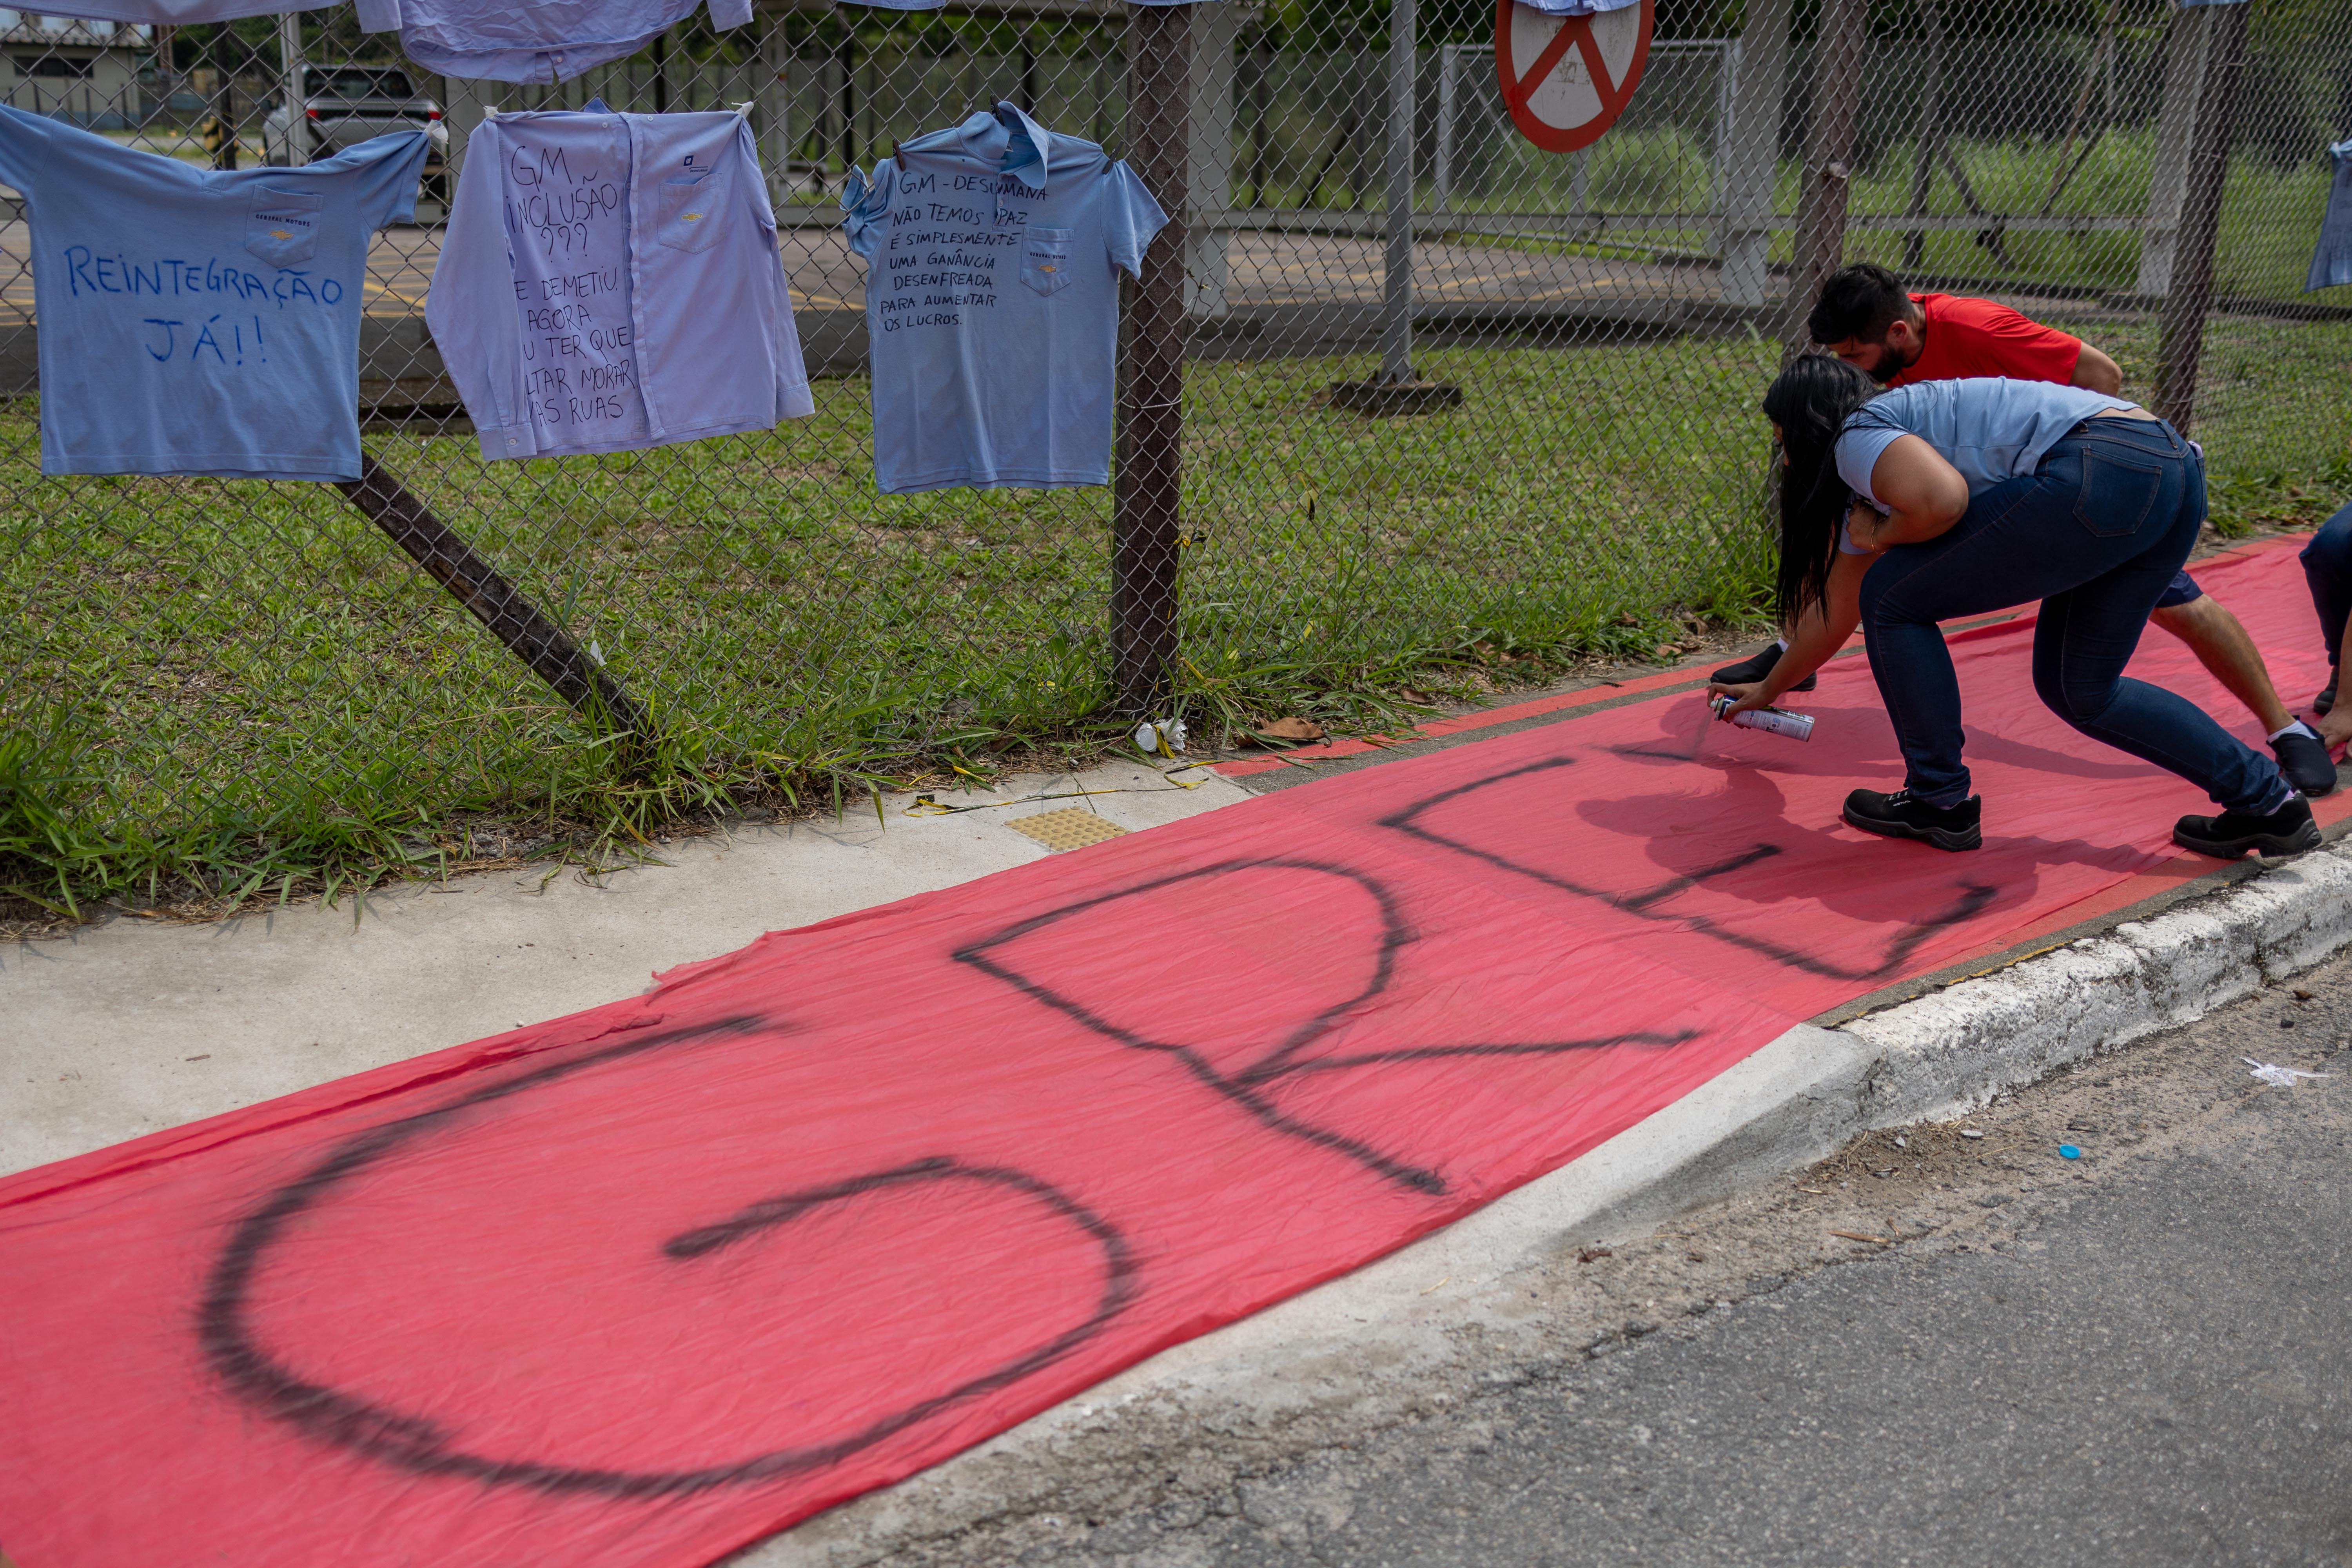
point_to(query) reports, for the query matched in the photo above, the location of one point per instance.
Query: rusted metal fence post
(2181, 342)
(1829, 162)
(497, 603)
(1147, 525)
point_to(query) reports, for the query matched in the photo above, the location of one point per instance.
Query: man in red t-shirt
(1867, 318)
(1947, 337)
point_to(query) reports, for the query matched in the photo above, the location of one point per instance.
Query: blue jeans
(2328, 567)
(2095, 534)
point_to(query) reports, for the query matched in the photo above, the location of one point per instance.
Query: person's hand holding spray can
(1771, 721)
(1813, 640)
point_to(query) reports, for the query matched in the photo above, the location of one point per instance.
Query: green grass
(243, 690)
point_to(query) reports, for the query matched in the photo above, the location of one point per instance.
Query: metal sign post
(1396, 389)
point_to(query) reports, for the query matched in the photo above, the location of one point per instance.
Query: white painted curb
(1363, 1342)
(1943, 1053)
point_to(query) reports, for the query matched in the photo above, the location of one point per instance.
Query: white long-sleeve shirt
(611, 281)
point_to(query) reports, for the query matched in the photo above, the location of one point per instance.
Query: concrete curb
(1383, 1340)
(1940, 1053)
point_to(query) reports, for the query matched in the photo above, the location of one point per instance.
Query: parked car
(342, 106)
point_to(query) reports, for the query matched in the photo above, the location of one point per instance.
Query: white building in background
(86, 72)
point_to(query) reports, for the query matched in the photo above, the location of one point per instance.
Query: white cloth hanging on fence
(545, 40)
(611, 281)
(2331, 263)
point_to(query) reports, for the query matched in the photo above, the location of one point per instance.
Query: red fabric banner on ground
(638, 1286)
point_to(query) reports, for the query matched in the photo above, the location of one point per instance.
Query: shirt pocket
(1046, 259)
(688, 210)
(282, 227)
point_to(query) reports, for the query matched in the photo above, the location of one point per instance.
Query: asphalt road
(2141, 1357)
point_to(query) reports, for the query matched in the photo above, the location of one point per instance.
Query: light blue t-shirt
(484, 40)
(1988, 428)
(991, 303)
(194, 320)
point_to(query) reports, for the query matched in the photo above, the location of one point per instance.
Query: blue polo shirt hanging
(993, 252)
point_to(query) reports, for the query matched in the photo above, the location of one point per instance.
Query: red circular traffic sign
(1566, 78)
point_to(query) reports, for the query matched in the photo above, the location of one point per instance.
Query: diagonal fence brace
(497, 603)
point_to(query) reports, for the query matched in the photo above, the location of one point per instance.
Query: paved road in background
(2145, 1358)
(1266, 269)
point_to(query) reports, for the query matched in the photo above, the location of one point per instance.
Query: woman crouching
(1959, 497)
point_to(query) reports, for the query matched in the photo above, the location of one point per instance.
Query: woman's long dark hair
(1809, 402)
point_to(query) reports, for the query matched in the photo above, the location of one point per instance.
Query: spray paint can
(1771, 721)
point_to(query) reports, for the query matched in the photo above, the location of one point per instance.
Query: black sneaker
(1756, 667)
(2304, 760)
(2289, 830)
(2319, 704)
(1897, 816)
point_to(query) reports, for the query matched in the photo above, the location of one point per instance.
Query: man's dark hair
(1858, 302)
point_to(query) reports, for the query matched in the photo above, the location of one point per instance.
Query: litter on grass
(2278, 1077)
(1163, 737)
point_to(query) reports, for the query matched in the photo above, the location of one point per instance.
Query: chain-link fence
(1452, 409)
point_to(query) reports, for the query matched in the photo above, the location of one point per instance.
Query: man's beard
(1888, 367)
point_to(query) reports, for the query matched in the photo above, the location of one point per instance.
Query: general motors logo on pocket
(1566, 78)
